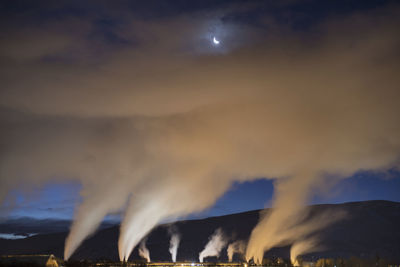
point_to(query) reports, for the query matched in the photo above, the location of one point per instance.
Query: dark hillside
(371, 228)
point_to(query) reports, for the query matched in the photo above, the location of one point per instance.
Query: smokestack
(143, 251)
(174, 243)
(214, 246)
(235, 247)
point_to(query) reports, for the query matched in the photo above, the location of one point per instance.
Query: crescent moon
(215, 41)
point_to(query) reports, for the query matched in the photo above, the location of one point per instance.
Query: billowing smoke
(174, 243)
(158, 130)
(302, 246)
(214, 246)
(237, 247)
(144, 251)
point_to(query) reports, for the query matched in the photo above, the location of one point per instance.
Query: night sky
(58, 200)
(151, 111)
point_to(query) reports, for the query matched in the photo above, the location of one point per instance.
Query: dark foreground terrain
(370, 229)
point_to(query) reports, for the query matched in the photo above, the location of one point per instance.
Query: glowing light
(215, 41)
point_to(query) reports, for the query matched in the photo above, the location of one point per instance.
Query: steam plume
(214, 246)
(300, 247)
(303, 114)
(174, 244)
(236, 247)
(288, 227)
(143, 251)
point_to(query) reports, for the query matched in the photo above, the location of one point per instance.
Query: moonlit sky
(58, 200)
(234, 29)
